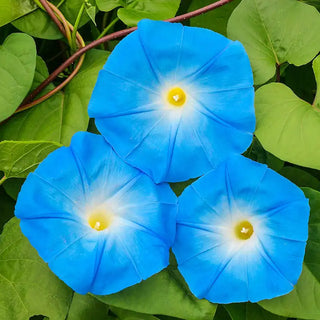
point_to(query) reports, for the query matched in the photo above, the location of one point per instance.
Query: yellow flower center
(243, 230)
(177, 97)
(100, 220)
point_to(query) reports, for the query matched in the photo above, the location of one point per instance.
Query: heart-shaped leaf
(288, 126)
(13, 9)
(27, 286)
(132, 11)
(274, 32)
(17, 66)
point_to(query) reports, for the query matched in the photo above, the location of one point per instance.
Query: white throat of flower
(238, 228)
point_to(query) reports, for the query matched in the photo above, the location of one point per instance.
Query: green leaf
(85, 307)
(300, 177)
(257, 153)
(13, 9)
(303, 301)
(39, 24)
(315, 3)
(59, 117)
(108, 5)
(41, 73)
(133, 11)
(249, 311)
(6, 210)
(287, 126)
(165, 293)
(70, 9)
(221, 313)
(130, 315)
(216, 19)
(162, 317)
(27, 286)
(178, 187)
(91, 11)
(78, 93)
(274, 32)
(13, 187)
(19, 158)
(316, 70)
(301, 81)
(17, 66)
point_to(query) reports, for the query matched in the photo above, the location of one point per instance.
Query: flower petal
(114, 129)
(155, 212)
(275, 250)
(228, 109)
(226, 71)
(76, 265)
(99, 167)
(62, 243)
(130, 62)
(76, 184)
(106, 99)
(264, 279)
(221, 266)
(215, 121)
(114, 268)
(49, 190)
(175, 51)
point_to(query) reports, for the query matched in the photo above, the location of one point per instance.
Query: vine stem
(27, 102)
(45, 5)
(93, 44)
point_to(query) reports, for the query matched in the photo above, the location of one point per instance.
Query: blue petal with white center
(100, 224)
(175, 101)
(241, 233)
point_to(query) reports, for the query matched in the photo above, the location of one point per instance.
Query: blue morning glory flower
(241, 233)
(174, 101)
(100, 224)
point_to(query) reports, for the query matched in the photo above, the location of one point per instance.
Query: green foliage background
(282, 39)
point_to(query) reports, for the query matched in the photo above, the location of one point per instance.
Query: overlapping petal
(130, 106)
(224, 268)
(55, 204)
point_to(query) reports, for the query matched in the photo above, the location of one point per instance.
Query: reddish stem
(199, 11)
(53, 17)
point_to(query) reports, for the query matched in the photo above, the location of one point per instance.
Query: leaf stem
(38, 3)
(278, 73)
(60, 3)
(76, 26)
(104, 20)
(108, 27)
(3, 179)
